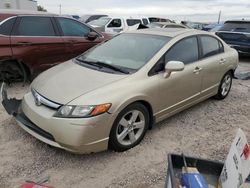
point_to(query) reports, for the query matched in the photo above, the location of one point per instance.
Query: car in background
(166, 25)
(30, 44)
(216, 28)
(209, 27)
(77, 17)
(112, 94)
(194, 25)
(157, 19)
(89, 18)
(116, 25)
(236, 33)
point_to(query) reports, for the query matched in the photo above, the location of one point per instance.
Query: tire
(129, 127)
(12, 71)
(225, 86)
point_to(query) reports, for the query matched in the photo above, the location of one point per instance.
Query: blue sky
(194, 10)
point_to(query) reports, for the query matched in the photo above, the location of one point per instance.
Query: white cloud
(196, 10)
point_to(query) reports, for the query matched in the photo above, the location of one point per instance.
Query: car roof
(238, 21)
(168, 32)
(126, 17)
(23, 12)
(5, 14)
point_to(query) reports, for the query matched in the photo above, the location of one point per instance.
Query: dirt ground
(205, 130)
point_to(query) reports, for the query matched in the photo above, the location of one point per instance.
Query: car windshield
(236, 27)
(129, 51)
(100, 22)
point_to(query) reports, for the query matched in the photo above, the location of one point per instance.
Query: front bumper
(78, 135)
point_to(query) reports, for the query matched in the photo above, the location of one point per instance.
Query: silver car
(112, 94)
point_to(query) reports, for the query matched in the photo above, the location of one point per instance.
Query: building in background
(19, 4)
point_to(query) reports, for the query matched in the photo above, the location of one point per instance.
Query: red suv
(30, 44)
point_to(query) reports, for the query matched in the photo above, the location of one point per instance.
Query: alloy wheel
(130, 127)
(226, 84)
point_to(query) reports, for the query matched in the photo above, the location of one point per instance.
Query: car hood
(67, 81)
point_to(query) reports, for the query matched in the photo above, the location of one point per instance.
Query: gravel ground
(205, 130)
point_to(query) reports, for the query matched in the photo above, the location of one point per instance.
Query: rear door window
(6, 27)
(185, 51)
(131, 22)
(115, 23)
(210, 46)
(73, 28)
(35, 26)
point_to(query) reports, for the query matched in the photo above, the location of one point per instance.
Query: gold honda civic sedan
(112, 94)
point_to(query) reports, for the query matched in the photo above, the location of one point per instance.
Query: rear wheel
(225, 86)
(129, 127)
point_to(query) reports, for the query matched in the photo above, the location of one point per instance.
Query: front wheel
(129, 127)
(225, 86)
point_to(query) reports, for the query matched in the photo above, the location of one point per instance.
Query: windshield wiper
(115, 68)
(89, 62)
(100, 65)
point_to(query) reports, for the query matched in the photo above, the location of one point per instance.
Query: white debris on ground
(205, 130)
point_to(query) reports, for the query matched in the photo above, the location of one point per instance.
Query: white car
(118, 24)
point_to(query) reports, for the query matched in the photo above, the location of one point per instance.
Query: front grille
(41, 100)
(29, 124)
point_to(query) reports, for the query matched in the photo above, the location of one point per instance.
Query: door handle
(197, 70)
(72, 41)
(24, 43)
(222, 61)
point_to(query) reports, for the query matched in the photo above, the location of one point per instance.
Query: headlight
(82, 111)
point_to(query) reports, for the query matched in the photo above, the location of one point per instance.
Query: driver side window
(186, 51)
(115, 23)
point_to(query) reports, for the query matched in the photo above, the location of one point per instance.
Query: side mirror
(92, 35)
(173, 66)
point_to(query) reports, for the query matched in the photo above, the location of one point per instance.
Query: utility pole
(60, 9)
(219, 17)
